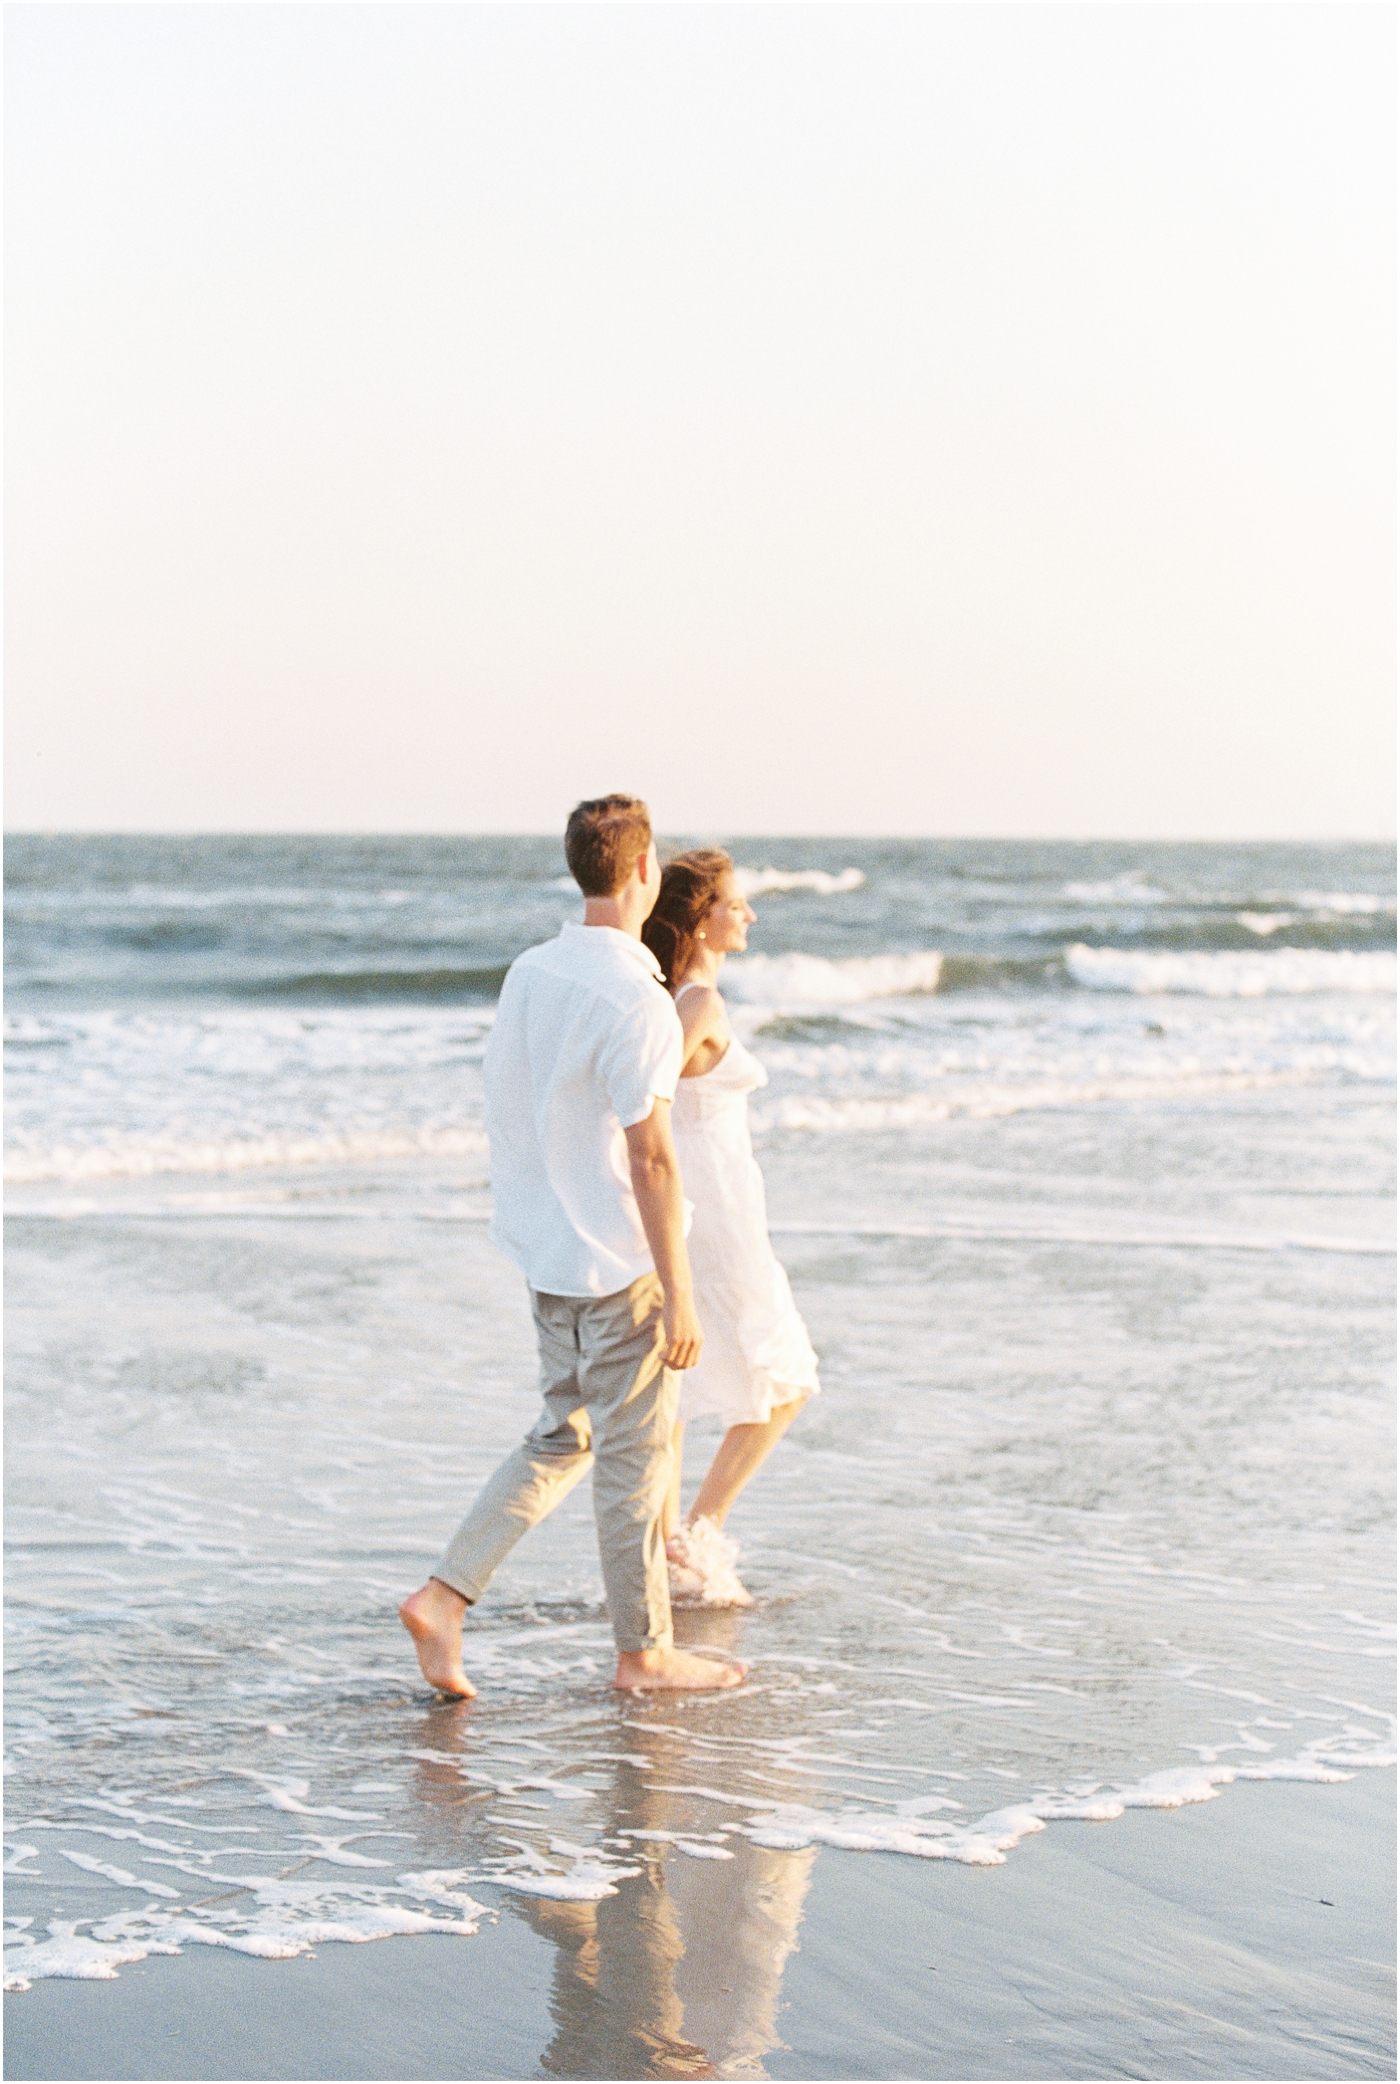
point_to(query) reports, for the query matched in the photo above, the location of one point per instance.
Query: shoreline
(1251, 1936)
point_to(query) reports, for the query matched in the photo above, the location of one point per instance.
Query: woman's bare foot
(673, 1671)
(433, 1617)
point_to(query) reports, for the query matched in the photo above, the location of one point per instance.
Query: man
(580, 1073)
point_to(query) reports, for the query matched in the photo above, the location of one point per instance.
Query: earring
(701, 935)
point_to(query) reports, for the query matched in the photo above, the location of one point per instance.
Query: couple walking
(613, 1088)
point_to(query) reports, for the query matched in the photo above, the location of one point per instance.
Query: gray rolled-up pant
(609, 1406)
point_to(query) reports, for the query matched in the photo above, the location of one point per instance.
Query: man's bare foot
(433, 1617)
(673, 1671)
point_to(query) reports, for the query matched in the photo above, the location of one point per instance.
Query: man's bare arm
(656, 1182)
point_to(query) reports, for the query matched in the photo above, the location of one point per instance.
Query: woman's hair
(689, 886)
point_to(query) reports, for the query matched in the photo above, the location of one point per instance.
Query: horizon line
(1081, 839)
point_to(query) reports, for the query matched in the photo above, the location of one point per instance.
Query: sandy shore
(1248, 1937)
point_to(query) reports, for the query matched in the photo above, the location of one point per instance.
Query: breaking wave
(1229, 975)
(1119, 890)
(813, 980)
(753, 882)
(1346, 902)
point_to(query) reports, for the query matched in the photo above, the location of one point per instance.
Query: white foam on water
(683, 1842)
(590, 1876)
(1179, 1786)
(71, 1958)
(133, 1094)
(267, 1043)
(582, 1884)
(753, 882)
(991, 1101)
(141, 1157)
(442, 1885)
(174, 897)
(283, 1920)
(932, 1061)
(1264, 923)
(1164, 1239)
(290, 1797)
(1230, 975)
(280, 1917)
(791, 1827)
(1118, 890)
(796, 981)
(117, 1874)
(1343, 902)
(123, 1095)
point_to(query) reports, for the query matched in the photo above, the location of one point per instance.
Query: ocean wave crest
(813, 980)
(753, 882)
(1221, 974)
(1119, 890)
(1344, 901)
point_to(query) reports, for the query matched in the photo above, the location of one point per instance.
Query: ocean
(1080, 1160)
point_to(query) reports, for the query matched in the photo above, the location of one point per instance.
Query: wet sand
(1252, 1936)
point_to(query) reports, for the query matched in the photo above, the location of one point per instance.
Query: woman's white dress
(756, 1352)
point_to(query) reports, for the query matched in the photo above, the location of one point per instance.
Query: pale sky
(924, 419)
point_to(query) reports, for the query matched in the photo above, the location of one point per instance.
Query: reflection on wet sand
(680, 1973)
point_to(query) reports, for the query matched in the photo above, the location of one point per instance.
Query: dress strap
(694, 985)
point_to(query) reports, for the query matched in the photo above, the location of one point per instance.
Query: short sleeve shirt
(586, 1038)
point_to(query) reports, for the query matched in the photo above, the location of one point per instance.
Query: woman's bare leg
(671, 1510)
(742, 1450)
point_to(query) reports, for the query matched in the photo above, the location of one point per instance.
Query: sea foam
(755, 882)
(1221, 975)
(813, 980)
(791, 1826)
(1343, 902)
(145, 1156)
(1118, 890)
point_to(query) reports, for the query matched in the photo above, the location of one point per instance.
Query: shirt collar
(637, 951)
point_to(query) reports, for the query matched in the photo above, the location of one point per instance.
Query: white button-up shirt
(586, 1037)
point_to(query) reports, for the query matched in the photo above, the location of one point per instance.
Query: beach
(1196, 1944)
(1071, 1691)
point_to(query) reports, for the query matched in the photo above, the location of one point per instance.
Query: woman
(757, 1366)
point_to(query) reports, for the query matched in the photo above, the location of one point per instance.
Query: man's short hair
(604, 840)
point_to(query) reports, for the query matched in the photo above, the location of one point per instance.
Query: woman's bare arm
(705, 1028)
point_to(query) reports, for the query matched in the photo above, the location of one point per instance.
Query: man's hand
(683, 1333)
(656, 1182)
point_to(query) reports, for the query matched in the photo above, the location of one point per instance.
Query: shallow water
(1094, 1508)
